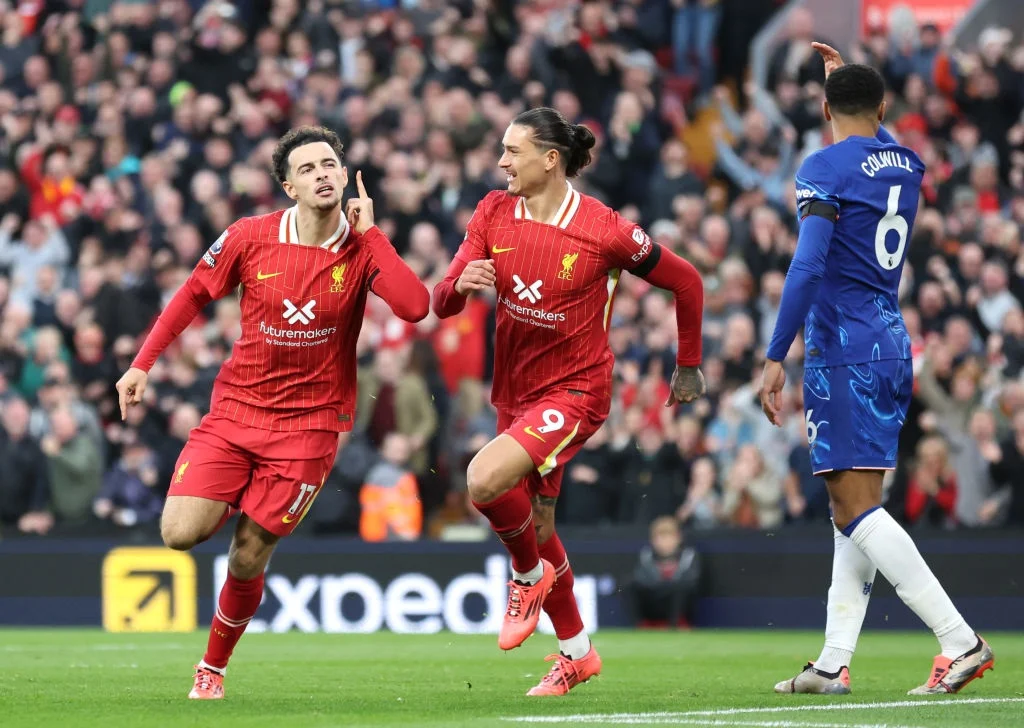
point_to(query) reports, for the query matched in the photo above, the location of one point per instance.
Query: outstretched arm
(215, 275)
(186, 304)
(393, 280)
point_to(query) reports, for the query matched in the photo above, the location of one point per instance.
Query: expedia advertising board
(346, 586)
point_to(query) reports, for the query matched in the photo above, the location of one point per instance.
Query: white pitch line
(645, 719)
(640, 719)
(680, 718)
(923, 703)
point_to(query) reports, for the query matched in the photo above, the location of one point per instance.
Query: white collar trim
(562, 217)
(288, 231)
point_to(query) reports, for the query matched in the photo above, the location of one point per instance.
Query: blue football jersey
(875, 185)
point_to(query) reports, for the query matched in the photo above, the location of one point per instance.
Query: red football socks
(238, 602)
(561, 602)
(511, 517)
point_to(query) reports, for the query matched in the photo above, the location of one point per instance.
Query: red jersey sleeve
(446, 300)
(219, 271)
(628, 245)
(393, 280)
(216, 274)
(630, 248)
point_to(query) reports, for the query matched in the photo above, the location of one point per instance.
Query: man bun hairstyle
(579, 157)
(551, 130)
(854, 89)
(300, 137)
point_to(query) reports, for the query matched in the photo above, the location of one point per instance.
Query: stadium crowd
(133, 133)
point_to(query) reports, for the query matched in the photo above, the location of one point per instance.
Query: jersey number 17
(892, 220)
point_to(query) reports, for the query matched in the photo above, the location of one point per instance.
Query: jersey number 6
(892, 221)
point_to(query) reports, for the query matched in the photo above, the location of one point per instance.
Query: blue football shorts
(854, 414)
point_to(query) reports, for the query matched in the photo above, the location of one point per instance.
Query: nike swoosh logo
(529, 431)
(501, 250)
(287, 519)
(265, 276)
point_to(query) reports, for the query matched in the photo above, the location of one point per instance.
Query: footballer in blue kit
(856, 201)
(858, 382)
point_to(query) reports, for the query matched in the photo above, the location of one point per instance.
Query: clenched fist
(477, 276)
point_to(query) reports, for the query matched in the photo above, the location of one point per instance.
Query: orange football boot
(566, 674)
(208, 685)
(523, 611)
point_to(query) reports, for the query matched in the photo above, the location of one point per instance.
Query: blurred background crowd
(132, 133)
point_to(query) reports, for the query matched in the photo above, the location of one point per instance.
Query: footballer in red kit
(554, 257)
(288, 389)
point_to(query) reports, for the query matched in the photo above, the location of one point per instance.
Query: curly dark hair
(854, 89)
(299, 137)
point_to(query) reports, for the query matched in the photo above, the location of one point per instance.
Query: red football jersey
(294, 367)
(555, 285)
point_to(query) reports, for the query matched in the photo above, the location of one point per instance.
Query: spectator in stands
(393, 400)
(932, 488)
(753, 495)
(666, 580)
(953, 409)
(701, 507)
(42, 244)
(75, 468)
(131, 494)
(25, 483)
(694, 27)
(671, 179)
(1006, 466)
(591, 486)
(389, 499)
(47, 349)
(131, 137)
(651, 474)
(794, 60)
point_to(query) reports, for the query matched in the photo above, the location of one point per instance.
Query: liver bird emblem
(568, 261)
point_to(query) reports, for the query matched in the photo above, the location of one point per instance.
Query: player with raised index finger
(289, 386)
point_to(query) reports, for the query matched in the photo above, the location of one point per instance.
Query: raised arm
(393, 280)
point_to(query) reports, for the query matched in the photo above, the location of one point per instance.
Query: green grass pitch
(81, 678)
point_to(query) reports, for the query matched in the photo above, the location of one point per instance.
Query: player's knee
(246, 563)
(485, 481)
(845, 514)
(177, 537)
(840, 520)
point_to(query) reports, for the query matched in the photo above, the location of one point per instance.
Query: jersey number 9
(891, 221)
